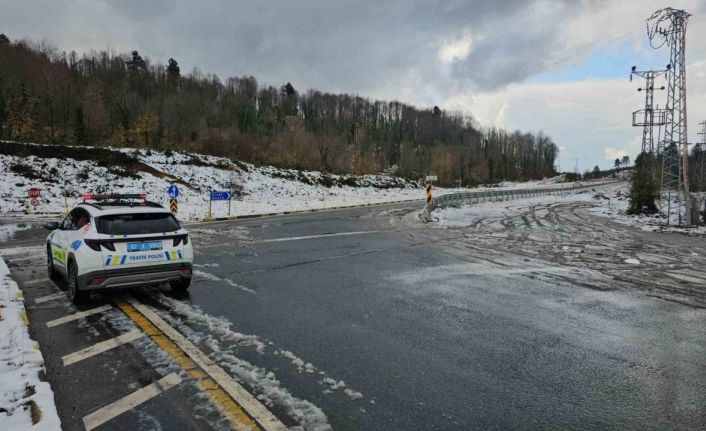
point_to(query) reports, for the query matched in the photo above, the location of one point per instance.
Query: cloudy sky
(557, 66)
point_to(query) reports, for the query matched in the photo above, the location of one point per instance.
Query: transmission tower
(702, 149)
(649, 117)
(668, 27)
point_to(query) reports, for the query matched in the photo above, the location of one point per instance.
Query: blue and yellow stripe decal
(115, 260)
(173, 255)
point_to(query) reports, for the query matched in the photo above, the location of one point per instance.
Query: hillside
(114, 100)
(256, 190)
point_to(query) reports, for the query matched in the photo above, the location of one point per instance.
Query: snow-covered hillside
(256, 189)
(72, 171)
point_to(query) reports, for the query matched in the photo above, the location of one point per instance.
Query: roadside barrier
(453, 200)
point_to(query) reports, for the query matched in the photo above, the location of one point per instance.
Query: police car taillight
(180, 238)
(96, 244)
(93, 244)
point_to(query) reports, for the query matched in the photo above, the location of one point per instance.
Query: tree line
(103, 98)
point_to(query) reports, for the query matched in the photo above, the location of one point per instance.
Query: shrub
(643, 186)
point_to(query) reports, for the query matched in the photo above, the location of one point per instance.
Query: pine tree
(173, 71)
(136, 63)
(289, 102)
(643, 187)
(80, 136)
(3, 112)
(4, 40)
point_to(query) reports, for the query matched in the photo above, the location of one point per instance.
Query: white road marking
(101, 347)
(250, 404)
(47, 298)
(207, 276)
(325, 235)
(35, 281)
(76, 316)
(19, 259)
(128, 402)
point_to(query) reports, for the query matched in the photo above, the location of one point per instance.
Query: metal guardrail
(468, 198)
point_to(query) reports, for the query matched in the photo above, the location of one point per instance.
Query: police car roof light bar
(114, 196)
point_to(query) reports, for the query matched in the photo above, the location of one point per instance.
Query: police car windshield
(136, 223)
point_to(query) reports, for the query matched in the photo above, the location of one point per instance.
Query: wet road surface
(366, 319)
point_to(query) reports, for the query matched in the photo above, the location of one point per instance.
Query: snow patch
(215, 332)
(211, 324)
(353, 395)
(297, 361)
(20, 365)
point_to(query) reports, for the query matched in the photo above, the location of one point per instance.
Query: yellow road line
(237, 417)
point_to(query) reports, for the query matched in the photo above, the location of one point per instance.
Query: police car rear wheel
(75, 295)
(180, 286)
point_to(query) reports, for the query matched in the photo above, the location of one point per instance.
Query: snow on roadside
(260, 189)
(609, 201)
(26, 402)
(216, 333)
(469, 214)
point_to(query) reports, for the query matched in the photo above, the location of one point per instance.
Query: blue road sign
(220, 196)
(173, 191)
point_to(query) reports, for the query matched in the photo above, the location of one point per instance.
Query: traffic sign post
(428, 208)
(220, 196)
(33, 194)
(217, 196)
(173, 192)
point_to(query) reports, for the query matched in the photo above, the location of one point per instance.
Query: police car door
(58, 241)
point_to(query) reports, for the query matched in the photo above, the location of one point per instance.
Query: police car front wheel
(53, 275)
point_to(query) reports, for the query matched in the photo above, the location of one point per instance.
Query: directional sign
(33, 193)
(220, 196)
(173, 191)
(431, 177)
(173, 207)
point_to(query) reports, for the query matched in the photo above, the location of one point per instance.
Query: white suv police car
(111, 241)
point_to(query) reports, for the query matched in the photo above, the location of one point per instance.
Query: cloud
(455, 50)
(482, 57)
(583, 117)
(611, 153)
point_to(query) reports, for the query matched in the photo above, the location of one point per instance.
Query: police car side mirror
(52, 225)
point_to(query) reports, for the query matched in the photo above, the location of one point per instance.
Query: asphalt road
(504, 325)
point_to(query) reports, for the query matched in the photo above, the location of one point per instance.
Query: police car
(118, 240)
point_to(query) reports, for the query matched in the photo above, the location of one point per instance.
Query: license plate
(144, 246)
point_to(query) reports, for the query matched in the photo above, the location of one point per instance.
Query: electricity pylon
(649, 117)
(700, 159)
(668, 27)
